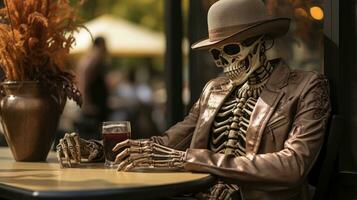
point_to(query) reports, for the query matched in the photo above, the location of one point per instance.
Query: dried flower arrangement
(35, 40)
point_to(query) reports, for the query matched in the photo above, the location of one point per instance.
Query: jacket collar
(280, 76)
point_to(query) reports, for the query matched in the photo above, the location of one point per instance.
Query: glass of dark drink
(113, 133)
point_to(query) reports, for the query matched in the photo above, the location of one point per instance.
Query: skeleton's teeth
(236, 69)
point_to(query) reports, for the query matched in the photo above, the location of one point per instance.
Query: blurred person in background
(91, 72)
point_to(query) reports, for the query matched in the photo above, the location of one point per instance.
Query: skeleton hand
(145, 153)
(71, 149)
(223, 191)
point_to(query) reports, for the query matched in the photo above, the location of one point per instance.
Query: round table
(19, 180)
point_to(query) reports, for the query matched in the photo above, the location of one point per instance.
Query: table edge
(12, 192)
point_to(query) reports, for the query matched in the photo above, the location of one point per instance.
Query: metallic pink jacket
(284, 136)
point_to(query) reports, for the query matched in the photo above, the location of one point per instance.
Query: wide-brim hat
(237, 20)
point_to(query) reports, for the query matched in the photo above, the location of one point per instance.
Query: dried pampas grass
(35, 40)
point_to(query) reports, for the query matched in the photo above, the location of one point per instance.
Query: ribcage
(221, 125)
(228, 134)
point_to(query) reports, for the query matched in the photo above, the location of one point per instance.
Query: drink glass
(114, 132)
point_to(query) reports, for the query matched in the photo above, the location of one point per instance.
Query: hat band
(224, 32)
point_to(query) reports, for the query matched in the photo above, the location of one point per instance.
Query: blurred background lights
(300, 12)
(316, 13)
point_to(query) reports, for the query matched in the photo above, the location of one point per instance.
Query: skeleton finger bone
(135, 146)
(129, 151)
(128, 143)
(71, 146)
(221, 192)
(231, 189)
(156, 163)
(122, 155)
(129, 167)
(93, 154)
(224, 195)
(136, 161)
(59, 154)
(65, 152)
(122, 165)
(217, 190)
(120, 145)
(77, 145)
(133, 161)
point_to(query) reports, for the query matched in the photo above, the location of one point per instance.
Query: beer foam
(116, 128)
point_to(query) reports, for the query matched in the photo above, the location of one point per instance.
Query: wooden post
(347, 88)
(173, 61)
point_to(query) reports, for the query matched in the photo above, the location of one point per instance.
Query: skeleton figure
(256, 127)
(240, 62)
(247, 67)
(244, 63)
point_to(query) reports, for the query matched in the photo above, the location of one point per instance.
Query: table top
(47, 180)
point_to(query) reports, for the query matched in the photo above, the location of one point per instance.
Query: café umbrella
(123, 38)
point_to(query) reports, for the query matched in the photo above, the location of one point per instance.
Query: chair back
(324, 170)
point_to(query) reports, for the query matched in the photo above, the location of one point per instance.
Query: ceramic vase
(29, 116)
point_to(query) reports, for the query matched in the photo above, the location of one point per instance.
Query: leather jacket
(283, 139)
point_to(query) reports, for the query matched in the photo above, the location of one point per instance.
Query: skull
(240, 60)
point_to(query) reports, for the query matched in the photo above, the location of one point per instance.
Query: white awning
(123, 38)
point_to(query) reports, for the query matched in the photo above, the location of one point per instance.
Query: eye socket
(231, 49)
(215, 53)
(250, 41)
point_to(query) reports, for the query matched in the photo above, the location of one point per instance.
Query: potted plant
(35, 40)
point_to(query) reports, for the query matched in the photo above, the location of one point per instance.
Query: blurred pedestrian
(91, 71)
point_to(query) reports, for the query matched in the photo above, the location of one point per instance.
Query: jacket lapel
(265, 107)
(262, 112)
(214, 101)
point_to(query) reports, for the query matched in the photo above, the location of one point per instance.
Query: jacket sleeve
(179, 136)
(285, 168)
